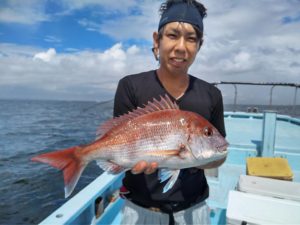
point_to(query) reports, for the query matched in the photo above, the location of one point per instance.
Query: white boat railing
(272, 84)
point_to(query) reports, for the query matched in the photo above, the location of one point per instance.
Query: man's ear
(155, 45)
(200, 43)
(155, 40)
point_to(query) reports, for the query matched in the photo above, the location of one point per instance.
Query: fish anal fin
(110, 166)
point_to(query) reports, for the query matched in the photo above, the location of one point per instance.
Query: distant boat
(240, 191)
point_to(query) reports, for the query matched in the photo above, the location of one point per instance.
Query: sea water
(30, 191)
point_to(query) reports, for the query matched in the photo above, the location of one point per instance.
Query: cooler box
(277, 168)
(269, 187)
(248, 208)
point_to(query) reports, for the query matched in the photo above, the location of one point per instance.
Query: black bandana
(182, 12)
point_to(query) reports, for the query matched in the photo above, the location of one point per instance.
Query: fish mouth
(223, 148)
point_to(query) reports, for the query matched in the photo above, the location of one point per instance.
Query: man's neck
(175, 84)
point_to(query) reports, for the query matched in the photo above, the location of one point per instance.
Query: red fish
(160, 132)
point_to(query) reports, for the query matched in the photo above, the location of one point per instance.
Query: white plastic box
(247, 208)
(269, 187)
(264, 201)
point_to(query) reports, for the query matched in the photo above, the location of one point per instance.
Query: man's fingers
(144, 167)
(140, 167)
(151, 168)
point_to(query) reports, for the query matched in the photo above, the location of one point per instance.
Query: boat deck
(248, 135)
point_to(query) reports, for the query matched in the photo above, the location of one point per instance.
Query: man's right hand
(144, 167)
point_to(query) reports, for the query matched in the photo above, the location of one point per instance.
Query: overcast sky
(78, 50)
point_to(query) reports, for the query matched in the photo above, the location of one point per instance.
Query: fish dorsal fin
(165, 103)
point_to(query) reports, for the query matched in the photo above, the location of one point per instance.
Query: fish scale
(151, 137)
(160, 132)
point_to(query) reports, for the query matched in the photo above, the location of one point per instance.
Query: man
(175, 45)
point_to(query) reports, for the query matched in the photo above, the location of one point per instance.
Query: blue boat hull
(249, 135)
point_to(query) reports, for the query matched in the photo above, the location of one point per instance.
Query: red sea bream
(160, 132)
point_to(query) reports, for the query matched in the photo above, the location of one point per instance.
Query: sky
(78, 50)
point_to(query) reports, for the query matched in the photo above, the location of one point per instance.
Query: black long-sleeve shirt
(200, 97)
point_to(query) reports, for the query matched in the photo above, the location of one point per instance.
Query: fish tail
(66, 160)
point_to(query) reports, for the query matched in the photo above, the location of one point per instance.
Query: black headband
(182, 12)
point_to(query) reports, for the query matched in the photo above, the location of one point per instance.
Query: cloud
(89, 25)
(256, 41)
(243, 40)
(128, 25)
(250, 35)
(140, 26)
(107, 5)
(52, 39)
(240, 62)
(83, 75)
(31, 12)
(27, 12)
(45, 56)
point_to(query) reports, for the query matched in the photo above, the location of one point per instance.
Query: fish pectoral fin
(165, 174)
(194, 152)
(184, 151)
(110, 166)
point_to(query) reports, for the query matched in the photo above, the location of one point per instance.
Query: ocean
(30, 191)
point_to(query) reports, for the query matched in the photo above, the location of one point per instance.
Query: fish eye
(207, 131)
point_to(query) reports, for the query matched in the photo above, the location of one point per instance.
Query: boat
(240, 190)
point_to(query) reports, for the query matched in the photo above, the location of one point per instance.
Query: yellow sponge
(277, 168)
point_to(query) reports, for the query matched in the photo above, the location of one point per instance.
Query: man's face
(178, 47)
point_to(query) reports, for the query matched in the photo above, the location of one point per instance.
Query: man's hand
(149, 168)
(213, 164)
(144, 167)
